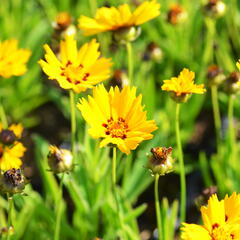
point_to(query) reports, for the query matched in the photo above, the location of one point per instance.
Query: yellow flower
(76, 69)
(12, 60)
(183, 84)
(10, 156)
(112, 19)
(11, 150)
(117, 117)
(221, 220)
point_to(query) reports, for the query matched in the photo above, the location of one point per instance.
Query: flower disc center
(117, 128)
(74, 74)
(221, 233)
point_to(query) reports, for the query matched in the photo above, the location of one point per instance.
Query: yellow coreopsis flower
(117, 117)
(221, 220)
(11, 150)
(112, 19)
(76, 69)
(183, 85)
(12, 60)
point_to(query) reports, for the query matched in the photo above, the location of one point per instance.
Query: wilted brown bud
(232, 83)
(153, 52)
(214, 8)
(62, 21)
(215, 75)
(12, 181)
(120, 79)
(176, 14)
(60, 160)
(127, 34)
(7, 137)
(205, 195)
(160, 162)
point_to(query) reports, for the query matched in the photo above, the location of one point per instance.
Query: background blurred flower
(120, 117)
(11, 150)
(12, 60)
(112, 19)
(76, 70)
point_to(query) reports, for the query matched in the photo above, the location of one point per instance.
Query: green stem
(130, 62)
(73, 122)
(59, 210)
(3, 117)
(158, 209)
(10, 208)
(114, 166)
(119, 210)
(93, 6)
(181, 165)
(231, 128)
(216, 115)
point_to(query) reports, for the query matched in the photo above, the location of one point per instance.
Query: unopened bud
(60, 160)
(12, 181)
(214, 8)
(62, 21)
(120, 79)
(215, 75)
(232, 84)
(161, 161)
(176, 14)
(153, 52)
(7, 137)
(127, 34)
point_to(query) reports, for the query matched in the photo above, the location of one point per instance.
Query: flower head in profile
(115, 18)
(76, 69)
(11, 150)
(12, 60)
(117, 117)
(221, 220)
(183, 86)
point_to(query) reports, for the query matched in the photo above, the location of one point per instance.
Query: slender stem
(93, 6)
(158, 209)
(3, 116)
(130, 62)
(73, 122)
(10, 208)
(114, 187)
(114, 166)
(231, 128)
(181, 165)
(59, 210)
(216, 115)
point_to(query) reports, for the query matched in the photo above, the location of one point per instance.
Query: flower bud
(7, 137)
(12, 181)
(176, 14)
(160, 162)
(120, 79)
(60, 160)
(153, 52)
(62, 21)
(232, 84)
(127, 34)
(215, 75)
(214, 8)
